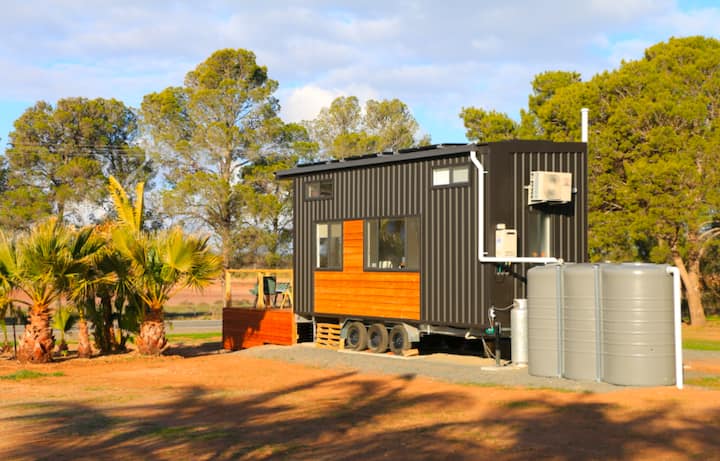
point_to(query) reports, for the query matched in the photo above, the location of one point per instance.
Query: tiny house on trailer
(432, 240)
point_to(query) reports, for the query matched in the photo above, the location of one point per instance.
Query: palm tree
(87, 250)
(160, 264)
(63, 321)
(5, 308)
(41, 264)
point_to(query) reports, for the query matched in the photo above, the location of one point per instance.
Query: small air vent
(550, 187)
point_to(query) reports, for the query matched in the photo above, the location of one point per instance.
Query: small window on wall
(392, 244)
(319, 190)
(447, 176)
(328, 245)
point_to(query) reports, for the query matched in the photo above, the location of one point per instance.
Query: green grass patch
(29, 374)
(193, 336)
(701, 345)
(712, 382)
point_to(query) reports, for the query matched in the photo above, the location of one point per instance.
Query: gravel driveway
(444, 367)
(452, 368)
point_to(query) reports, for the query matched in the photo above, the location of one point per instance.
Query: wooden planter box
(243, 328)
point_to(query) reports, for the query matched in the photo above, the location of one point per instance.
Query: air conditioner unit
(550, 187)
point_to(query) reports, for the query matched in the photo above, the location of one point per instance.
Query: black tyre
(357, 337)
(377, 338)
(399, 341)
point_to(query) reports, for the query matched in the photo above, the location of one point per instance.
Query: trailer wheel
(399, 341)
(377, 338)
(357, 337)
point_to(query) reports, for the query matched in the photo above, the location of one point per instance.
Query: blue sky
(436, 56)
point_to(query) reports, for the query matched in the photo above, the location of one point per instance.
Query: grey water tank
(580, 322)
(543, 300)
(637, 325)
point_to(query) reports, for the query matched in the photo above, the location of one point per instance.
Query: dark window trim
(451, 168)
(314, 246)
(306, 192)
(366, 268)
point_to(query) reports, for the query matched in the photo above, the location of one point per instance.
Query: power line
(77, 146)
(78, 151)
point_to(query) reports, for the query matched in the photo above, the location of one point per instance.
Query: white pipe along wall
(677, 306)
(481, 225)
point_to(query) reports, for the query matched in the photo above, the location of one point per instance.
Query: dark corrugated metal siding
(361, 193)
(452, 284)
(508, 169)
(456, 289)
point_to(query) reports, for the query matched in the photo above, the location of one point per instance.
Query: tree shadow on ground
(195, 349)
(357, 417)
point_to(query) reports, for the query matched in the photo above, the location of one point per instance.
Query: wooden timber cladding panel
(244, 328)
(354, 292)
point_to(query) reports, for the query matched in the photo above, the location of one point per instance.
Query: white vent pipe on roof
(584, 118)
(481, 225)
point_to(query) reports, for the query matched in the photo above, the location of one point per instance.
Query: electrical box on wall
(549, 187)
(505, 242)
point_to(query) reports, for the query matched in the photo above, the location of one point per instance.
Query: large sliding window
(328, 245)
(392, 244)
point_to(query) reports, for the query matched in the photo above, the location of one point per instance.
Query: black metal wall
(456, 289)
(376, 191)
(508, 166)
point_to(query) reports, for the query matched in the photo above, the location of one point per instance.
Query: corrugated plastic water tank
(637, 325)
(580, 322)
(543, 295)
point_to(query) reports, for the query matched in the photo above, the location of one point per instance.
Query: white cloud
(627, 50)
(628, 10)
(705, 21)
(435, 56)
(305, 103)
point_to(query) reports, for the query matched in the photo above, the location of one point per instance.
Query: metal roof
(406, 155)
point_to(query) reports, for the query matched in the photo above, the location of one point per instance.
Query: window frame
(366, 244)
(451, 175)
(315, 253)
(319, 183)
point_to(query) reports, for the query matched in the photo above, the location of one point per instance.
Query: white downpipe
(481, 225)
(678, 322)
(584, 123)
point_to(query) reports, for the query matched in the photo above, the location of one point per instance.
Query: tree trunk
(37, 343)
(227, 249)
(151, 340)
(103, 329)
(690, 276)
(84, 348)
(62, 347)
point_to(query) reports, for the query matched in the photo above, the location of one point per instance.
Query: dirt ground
(235, 406)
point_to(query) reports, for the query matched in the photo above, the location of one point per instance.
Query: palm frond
(128, 214)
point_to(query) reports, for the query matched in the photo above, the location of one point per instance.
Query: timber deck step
(327, 336)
